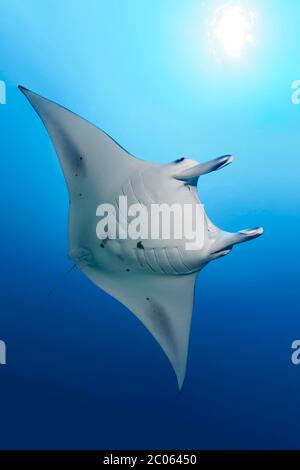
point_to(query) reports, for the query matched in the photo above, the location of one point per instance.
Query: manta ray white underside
(154, 279)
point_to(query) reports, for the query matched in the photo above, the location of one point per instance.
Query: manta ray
(154, 279)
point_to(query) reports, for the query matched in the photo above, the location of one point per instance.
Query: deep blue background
(82, 372)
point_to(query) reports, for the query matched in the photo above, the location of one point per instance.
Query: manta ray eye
(179, 160)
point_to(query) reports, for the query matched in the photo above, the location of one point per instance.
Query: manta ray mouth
(223, 251)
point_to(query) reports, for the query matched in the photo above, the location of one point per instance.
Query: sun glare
(233, 29)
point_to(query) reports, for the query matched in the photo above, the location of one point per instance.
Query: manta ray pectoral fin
(191, 175)
(163, 303)
(225, 241)
(85, 152)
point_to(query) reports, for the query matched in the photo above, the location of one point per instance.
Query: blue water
(81, 371)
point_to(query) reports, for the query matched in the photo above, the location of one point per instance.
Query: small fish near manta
(154, 279)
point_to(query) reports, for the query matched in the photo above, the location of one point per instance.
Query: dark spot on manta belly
(104, 241)
(147, 298)
(179, 160)
(75, 162)
(160, 316)
(140, 246)
(127, 270)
